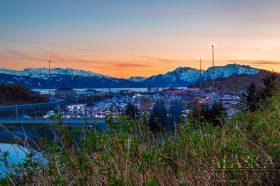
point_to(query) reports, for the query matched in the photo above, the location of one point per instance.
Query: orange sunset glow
(141, 38)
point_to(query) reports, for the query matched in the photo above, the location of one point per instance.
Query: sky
(124, 38)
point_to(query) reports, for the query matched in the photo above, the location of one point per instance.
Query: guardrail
(14, 111)
(51, 121)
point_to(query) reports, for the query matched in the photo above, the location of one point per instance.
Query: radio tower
(213, 66)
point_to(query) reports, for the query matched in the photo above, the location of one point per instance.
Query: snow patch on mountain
(44, 72)
(137, 79)
(179, 74)
(184, 74)
(229, 70)
(7, 71)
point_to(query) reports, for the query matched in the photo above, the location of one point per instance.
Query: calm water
(114, 90)
(17, 153)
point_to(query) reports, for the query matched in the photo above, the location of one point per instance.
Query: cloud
(161, 59)
(19, 55)
(256, 62)
(135, 65)
(261, 62)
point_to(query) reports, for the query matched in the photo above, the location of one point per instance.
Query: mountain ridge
(53, 71)
(70, 71)
(181, 76)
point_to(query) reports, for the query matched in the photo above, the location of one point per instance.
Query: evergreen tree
(158, 119)
(175, 111)
(252, 97)
(144, 108)
(270, 86)
(131, 111)
(214, 115)
(196, 110)
(217, 114)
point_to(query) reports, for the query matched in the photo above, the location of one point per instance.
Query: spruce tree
(158, 119)
(175, 111)
(217, 114)
(252, 97)
(270, 86)
(131, 111)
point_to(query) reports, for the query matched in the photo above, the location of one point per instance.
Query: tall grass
(246, 151)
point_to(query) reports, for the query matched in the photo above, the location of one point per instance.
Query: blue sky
(135, 37)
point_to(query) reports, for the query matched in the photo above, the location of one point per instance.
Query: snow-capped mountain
(137, 79)
(10, 72)
(59, 77)
(185, 76)
(180, 76)
(44, 72)
(229, 70)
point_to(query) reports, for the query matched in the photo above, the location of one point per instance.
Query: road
(14, 111)
(30, 106)
(77, 122)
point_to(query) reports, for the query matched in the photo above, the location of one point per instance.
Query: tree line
(256, 95)
(161, 118)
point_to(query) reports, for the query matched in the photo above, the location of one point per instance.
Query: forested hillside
(16, 94)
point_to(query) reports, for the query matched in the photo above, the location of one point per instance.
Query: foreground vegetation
(244, 150)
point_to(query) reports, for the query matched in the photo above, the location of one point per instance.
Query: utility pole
(49, 77)
(50, 66)
(200, 74)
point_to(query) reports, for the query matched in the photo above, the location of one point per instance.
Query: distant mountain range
(60, 77)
